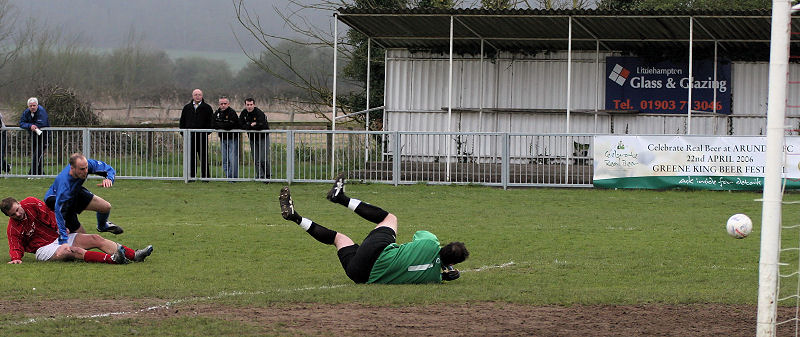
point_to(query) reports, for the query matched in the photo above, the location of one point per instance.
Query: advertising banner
(696, 162)
(633, 83)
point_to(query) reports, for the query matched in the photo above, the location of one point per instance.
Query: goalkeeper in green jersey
(379, 259)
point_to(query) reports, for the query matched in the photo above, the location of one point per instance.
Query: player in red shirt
(32, 228)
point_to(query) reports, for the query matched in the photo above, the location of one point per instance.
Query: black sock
(371, 213)
(342, 199)
(321, 233)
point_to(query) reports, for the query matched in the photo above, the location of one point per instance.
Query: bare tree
(317, 86)
(351, 51)
(12, 37)
(536, 4)
(504, 4)
(562, 4)
(45, 58)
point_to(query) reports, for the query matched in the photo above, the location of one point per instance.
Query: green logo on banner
(722, 183)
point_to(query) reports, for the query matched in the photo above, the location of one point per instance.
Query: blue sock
(101, 220)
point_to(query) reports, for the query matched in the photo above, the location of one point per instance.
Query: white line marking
(200, 299)
(223, 294)
(510, 263)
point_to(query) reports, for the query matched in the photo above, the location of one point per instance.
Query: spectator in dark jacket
(225, 118)
(34, 118)
(197, 115)
(4, 165)
(254, 119)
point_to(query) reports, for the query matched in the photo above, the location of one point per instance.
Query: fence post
(506, 162)
(396, 159)
(289, 156)
(567, 155)
(149, 150)
(87, 147)
(187, 151)
(331, 155)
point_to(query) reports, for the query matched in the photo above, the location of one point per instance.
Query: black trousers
(259, 144)
(3, 142)
(199, 151)
(38, 146)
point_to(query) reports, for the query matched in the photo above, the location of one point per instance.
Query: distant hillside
(204, 25)
(236, 59)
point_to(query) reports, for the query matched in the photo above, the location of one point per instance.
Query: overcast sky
(204, 25)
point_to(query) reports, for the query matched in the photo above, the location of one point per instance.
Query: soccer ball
(739, 226)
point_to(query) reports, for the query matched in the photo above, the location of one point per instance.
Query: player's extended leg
(67, 253)
(103, 209)
(317, 231)
(89, 241)
(369, 212)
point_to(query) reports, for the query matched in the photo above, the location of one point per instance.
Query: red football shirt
(36, 230)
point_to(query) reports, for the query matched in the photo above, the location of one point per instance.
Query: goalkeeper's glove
(450, 273)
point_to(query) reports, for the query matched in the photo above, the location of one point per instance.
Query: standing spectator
(34, 118)
(197, 115)
(254, 119)
(225, 118)
(4, 165)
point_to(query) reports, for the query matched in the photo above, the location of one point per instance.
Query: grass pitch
(226, 243)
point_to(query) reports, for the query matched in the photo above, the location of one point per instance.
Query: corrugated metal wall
(417, 95)
(749, 88)
(420, 83)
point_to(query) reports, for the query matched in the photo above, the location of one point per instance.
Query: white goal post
(773, 196)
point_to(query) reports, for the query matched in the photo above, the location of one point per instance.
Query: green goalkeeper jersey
(413, 262)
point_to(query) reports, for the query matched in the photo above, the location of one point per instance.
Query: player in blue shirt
(67, 197)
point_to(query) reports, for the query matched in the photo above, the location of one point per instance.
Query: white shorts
(44, 253)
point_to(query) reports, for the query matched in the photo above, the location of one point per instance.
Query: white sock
(305, 223)
(353, 204)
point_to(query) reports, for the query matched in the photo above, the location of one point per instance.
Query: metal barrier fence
(494, 159)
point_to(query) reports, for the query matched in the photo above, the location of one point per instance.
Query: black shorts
(357, 260)
(80, 200)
